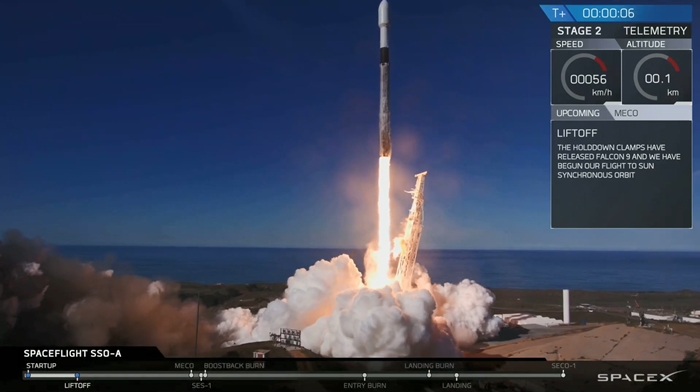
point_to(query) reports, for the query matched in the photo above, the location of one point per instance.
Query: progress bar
(263, 375)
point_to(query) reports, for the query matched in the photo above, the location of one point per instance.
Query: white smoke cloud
(32, 269)
(340, 317)
(310, 295)
(155, 288)
(466, 308)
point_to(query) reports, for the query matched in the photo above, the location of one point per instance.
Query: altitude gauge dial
(591, 77)
(657, 77)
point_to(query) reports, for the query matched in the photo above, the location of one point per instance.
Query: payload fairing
(384, 112)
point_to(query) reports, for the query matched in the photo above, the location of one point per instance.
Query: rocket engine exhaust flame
(379, 277)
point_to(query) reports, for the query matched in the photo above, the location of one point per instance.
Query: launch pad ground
(600, 321)
(613, 342)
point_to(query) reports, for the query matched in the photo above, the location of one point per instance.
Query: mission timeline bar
(265, 375)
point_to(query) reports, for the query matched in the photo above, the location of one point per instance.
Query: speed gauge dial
(657, 77)
(590, 77)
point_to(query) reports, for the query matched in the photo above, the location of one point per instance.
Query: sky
(254, 123)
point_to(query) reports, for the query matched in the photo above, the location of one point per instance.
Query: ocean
(575, 270)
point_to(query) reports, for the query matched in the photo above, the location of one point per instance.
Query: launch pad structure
(412, 234)
(288, 338)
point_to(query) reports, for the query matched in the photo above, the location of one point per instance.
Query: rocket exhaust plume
(382, 257)
(378, 274)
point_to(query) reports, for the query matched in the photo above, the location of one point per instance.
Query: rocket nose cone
(383, 13)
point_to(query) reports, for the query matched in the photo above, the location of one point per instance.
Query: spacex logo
(640, 377)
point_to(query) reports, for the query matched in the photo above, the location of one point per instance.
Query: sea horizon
(60, 246)
(524, 269)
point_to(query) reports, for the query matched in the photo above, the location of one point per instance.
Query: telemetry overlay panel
(621, 116)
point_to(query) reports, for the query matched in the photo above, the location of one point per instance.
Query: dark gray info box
(631, 174)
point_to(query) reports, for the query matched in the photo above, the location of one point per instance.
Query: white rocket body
(384, 112)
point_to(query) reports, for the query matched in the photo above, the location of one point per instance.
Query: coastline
(533, 269)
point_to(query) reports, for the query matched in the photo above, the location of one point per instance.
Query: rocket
(384, 113)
